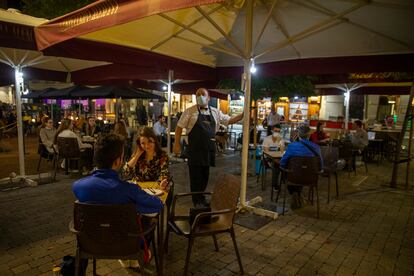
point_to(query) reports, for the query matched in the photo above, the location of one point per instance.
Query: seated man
(302, 148)
(359, 138)
(104, 185)
(161, 131)
(274, 142)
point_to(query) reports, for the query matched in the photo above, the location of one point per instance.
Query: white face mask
(202, 100)
(276, 134)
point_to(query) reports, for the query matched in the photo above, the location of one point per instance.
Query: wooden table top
(153, 185)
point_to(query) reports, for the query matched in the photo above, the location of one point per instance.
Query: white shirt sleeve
(223, 118)
(184, 119)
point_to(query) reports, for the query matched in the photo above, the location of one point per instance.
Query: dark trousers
(275, 175)
(198, 182)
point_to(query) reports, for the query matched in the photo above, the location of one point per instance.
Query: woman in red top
(319, 136)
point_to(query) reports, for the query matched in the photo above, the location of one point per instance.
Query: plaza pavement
(368, 230)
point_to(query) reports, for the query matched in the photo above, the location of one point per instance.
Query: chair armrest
(285, 170)
(184, 195)
(72, 228)
(148, 230)
(206, 214)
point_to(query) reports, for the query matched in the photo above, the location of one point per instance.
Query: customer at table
(359, 138)
(90, 128)
(149, 162)
(105, 187)
(274, 142)
(65, 130)
(161, 131)
(319, 136)
(47, 134)
(302, 148)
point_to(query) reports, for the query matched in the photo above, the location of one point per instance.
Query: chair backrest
(304, 170)
(330, 156)
(68, 147)
(106, 230)
(225, 196)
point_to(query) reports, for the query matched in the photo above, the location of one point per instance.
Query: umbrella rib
(9, 61)
(183, 29)
(192, 30)
(313, 29)
(321, 9)
(385, 4)
(228, 52)
(218, 28)
(269, 15)
(282, 29)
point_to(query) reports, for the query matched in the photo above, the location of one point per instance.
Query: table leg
(160, 236)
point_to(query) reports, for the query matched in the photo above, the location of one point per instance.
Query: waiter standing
(201, 122)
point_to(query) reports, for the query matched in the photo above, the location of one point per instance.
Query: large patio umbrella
(233, 33)
(19, 53)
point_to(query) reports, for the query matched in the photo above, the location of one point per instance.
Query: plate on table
(156, 192)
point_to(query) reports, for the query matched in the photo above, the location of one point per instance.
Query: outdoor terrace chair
(106, 231)
(223, 208)
(303, 171)
(330, 156)
(45, 154)
(68, 149)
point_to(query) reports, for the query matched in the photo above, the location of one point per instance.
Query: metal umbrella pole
(18, 75)
(169, 89)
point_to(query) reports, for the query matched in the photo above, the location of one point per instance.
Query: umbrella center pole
(18, 89)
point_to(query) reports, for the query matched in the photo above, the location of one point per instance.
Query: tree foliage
(274, 87)
(52, 8)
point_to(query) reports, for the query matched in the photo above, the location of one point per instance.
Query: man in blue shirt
(302, 148)
(104, 185)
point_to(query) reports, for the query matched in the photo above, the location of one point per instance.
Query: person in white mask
(201, 123)
(274, 142)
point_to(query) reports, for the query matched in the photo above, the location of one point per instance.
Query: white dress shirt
(273, 119)
(70, 134)
(159, 128)
(190, 115)
(269, 143)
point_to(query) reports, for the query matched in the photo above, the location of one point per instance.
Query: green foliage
(275, 87)
(52, 8)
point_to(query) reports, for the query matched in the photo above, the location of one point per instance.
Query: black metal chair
(303, 171)
(105, 231)
(45, 154)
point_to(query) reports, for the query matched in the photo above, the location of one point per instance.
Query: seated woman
(47, 134)
(65, 130)
(149, 162)
(319, 136)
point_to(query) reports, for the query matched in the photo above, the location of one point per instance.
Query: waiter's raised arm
(235, 119)
(177, 139)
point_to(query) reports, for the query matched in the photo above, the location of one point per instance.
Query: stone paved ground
(368, 230)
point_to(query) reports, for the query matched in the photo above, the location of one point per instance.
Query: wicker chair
(303, 171)
(105, 231)
(223, 207)
(330, 157)
(68, 149)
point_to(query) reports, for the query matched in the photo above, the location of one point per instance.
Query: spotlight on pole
(164, 88)
(253, 68)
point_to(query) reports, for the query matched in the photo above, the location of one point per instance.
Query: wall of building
(331, 107)
(371, 107)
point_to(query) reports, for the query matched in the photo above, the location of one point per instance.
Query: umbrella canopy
(64, 93)
(112, 92)
(212, 32)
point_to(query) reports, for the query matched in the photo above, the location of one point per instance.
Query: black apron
(201, 150)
